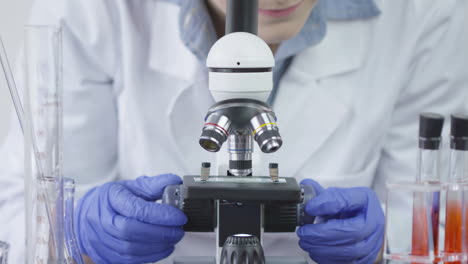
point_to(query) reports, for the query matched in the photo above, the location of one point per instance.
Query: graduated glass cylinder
(417, 230)
(44, 189)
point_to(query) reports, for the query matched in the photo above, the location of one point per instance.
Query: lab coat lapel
(191, 98)
(308, 111)
(169, 54)
(341, 51)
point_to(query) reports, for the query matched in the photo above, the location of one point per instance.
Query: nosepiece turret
(231, 116)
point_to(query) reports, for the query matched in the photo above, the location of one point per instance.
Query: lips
(278, 13)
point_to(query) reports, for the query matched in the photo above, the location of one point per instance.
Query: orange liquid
(453, 227)
(420, 235)
(465, 228)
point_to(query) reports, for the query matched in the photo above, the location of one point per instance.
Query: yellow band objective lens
(255, 131)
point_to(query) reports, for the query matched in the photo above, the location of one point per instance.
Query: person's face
(278, 20)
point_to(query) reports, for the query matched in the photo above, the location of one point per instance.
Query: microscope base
(268, 260)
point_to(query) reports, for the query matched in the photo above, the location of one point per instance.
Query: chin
(275, 34)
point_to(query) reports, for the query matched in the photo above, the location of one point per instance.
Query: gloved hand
(119, 222)
(351, 228)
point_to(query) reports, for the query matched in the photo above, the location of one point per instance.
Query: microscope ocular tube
(242, 16)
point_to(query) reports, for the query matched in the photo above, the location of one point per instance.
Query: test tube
(426, 207)
(458, 173)
(43, 136)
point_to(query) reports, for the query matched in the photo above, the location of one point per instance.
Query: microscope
(241, 206)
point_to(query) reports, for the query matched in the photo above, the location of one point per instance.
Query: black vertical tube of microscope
(242, 16)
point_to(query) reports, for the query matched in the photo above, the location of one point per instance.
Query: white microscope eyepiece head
(240, 66)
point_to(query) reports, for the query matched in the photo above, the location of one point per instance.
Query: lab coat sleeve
(90, 62)
(436, 81)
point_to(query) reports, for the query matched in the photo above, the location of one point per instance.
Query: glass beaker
(4, 248)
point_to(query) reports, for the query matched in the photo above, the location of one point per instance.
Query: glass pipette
(11, 84)
(16, 99)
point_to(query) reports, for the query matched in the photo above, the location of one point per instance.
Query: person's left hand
(352, 226)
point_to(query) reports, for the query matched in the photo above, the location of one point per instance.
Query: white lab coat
(135, 98)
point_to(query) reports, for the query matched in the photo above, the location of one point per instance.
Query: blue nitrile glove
(351, 229)
(119, 222)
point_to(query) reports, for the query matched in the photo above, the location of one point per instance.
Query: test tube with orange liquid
(458, 174)
(426, 206)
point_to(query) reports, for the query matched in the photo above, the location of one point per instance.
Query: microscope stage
(242, 189)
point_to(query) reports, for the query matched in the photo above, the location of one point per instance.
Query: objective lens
(215, 132)
(209, 144)
(266, 132)
(240, 153)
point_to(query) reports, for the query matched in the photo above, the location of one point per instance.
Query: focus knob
(242, 249)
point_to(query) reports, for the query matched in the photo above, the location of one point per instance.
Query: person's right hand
(119, 222)
(350, 227)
